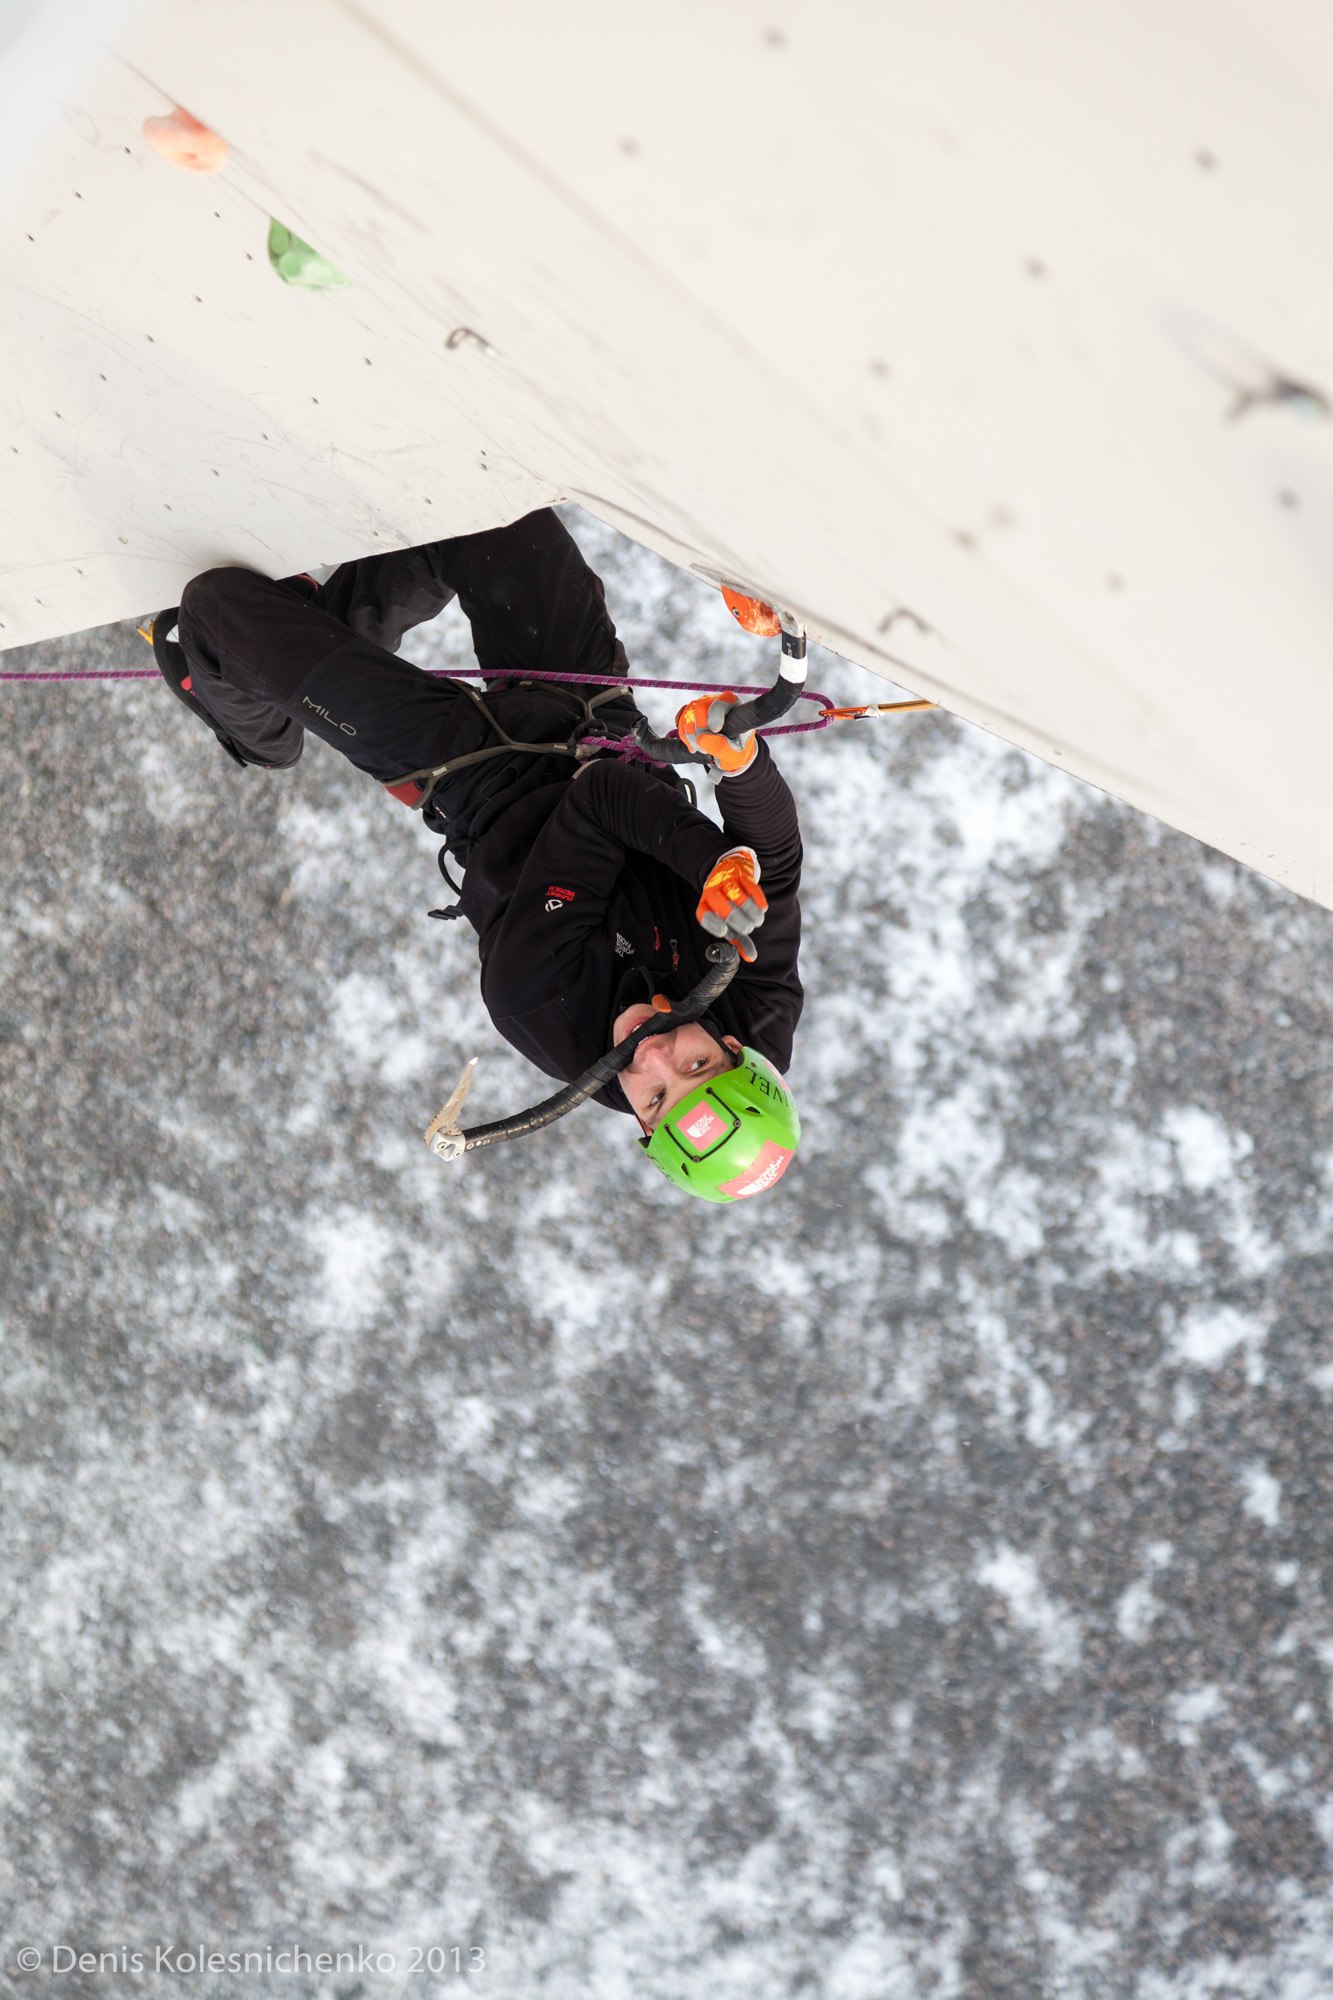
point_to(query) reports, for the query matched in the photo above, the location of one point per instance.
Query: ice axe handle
(742, 716)
(448, 1141)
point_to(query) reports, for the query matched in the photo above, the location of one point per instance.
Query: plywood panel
(964, 312)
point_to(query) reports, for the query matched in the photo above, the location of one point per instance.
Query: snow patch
(1014, 1577)
(167, 791)
(1206, 1152)
(1135, 1611)
(721, 1645)
(1132, 1168)
(1263, 1494)
(367, 1019)
(1194, 1707)
(353, 1248)
(1209, 1333)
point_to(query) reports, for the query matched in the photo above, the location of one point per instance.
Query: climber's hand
(698, 726)
(733, 904)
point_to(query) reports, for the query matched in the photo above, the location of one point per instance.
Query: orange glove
(733, 904)
(697, 726)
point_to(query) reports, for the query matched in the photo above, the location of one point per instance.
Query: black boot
(175, 671)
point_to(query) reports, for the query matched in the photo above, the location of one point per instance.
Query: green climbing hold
(296, 263)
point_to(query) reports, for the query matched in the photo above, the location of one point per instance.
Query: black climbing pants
(270, 660)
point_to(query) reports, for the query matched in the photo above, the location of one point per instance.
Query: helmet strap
(734, 1060)
(714, 1028)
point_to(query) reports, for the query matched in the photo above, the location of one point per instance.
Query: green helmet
(733, 1136)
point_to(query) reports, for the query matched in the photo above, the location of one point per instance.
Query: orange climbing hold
(752, 613)
(186, 143)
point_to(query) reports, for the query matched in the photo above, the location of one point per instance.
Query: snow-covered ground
(916, 1584)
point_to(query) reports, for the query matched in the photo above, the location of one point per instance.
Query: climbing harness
(416, 788)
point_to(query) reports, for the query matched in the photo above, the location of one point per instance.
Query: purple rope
(801, 728)
(625, 745)
(634, 752)
(439, 673)
(92, 674)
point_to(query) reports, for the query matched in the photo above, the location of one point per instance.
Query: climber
(594, 885)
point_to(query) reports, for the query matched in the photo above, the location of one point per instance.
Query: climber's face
(665, 1067)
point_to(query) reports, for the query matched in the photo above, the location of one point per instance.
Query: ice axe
(753, 615)
(736, 719)
(447, 1139)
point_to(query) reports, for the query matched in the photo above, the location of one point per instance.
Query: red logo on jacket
(561, 895)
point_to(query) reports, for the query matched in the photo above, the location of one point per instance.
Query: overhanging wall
(960, 328)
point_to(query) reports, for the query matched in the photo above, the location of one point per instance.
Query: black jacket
(583, 894)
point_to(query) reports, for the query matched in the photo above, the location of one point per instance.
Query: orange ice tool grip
(698, 726)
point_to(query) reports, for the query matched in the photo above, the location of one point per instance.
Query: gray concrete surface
(917, 1585)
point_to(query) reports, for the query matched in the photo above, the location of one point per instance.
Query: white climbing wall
(957, 326)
